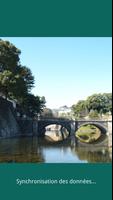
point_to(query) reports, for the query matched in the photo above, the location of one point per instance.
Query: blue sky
(67, 69)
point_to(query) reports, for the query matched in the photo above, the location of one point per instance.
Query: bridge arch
(100, 126)
(43, 124)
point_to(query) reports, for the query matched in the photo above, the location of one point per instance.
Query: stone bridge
(72, 125)
(38, 127)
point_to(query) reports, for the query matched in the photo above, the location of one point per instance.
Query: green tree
(33, 105)
(9, 56)
(79, 109)
(15, 80)
(102, 103)
(93, 114)
(93, 106)
(107, 107)
(23, 84)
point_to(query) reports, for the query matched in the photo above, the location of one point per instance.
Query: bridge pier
(109, 133)
(35, 127)
(74, 140)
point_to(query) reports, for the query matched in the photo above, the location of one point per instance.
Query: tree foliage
(79, 109)
(93, 106)
(16, 80)
(93, 114)
(102, 103)
(9, 56)
(33, 105)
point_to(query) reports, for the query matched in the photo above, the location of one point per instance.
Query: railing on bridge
(73, 120)
(55, 119)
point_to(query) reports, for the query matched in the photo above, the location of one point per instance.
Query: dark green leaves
(16, 80)
(93, 106)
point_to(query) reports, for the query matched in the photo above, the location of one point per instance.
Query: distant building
(55, 112)
(64, 111)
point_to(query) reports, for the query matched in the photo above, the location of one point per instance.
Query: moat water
(41, 150)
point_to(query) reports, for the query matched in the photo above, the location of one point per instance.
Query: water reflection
(93, 155)
(56, 132)
(20, 150)
(37, 150)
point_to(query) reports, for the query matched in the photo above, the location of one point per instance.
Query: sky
(67, 69)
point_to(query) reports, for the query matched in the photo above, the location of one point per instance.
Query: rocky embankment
(8, 124)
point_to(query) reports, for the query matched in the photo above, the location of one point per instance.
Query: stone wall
(8, 124)
(28, 127)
